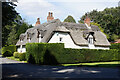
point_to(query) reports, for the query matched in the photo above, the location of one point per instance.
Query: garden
(56, 54)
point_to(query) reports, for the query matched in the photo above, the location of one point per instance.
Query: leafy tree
(12, 36)
(70, 19)
(12, 24)
(109, 20)
(8, 15)
(22, 29)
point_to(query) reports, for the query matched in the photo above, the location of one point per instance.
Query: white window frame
(90, 40)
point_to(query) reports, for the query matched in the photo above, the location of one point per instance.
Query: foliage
(23, 27)
(101, 29)
(70, 19)
(16, 54)
(22, 56)
(108, 19)
(12, 24)
(41, 53)
(55, 53)
(12, 35)
(11, 48)
(8, 15)
(7, 53)
(115, 46)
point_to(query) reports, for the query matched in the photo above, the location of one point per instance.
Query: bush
(16, 54)
(39, 52)
(55, 53)
(22, 56)
(11, 48)
(115, 46)
(7, 54)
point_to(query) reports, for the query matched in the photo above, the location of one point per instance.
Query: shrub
(8, 53)
(22, 56)
(39, 51)
(55, 53)
(11, 48)
(16, 54)
(115, 46)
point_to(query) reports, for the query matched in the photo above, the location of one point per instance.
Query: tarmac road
(16, 69)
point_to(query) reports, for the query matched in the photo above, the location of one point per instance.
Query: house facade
(73, 35)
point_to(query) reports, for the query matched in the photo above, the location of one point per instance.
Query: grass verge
(17, 59)
(97, 64)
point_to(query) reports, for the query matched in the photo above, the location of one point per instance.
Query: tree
(12, 36)
(8, 15)
(109, 20)
(22, 29)
(70, 19)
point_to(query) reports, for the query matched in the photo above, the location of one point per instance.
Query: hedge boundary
(55, 53)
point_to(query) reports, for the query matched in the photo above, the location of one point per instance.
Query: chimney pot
(38, 22)
(87, 20)
(50, 16)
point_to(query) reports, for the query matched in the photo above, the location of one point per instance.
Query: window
(60, 39)
(90, 39)
(57, 34)
(29, 39)
(21, 40)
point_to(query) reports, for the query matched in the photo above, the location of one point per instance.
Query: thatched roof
(78, 33)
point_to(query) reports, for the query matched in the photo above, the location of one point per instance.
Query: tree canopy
(12, 24)
(70, 19)
(109, 20)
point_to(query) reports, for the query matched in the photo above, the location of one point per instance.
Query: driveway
(16, 69)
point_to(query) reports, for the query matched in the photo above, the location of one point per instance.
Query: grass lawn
(17, 59)
(97, 64)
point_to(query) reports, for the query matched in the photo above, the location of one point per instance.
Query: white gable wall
(68, 42)
(66, 39)
(21, 49)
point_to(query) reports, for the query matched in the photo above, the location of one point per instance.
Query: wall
(65, 39)
(21, 49)
(69, 42)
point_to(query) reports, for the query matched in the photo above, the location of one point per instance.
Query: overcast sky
(30, 10)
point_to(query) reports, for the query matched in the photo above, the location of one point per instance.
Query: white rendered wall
(68, 42)
(105, 48)
(66, 39)
(21, 49)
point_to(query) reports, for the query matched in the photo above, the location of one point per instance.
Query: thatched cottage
(73, 35)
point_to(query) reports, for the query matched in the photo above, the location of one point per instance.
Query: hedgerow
(55, 53)
(115, 46)
(11, 48)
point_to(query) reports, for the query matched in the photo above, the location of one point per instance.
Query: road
(16, 69)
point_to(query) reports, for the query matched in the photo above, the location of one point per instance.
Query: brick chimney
(38, 22)
(87, 20)
(50, 16)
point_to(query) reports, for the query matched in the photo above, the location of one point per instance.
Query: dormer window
(29, 39)
(39, 38)
(21, 40)
(90, 39)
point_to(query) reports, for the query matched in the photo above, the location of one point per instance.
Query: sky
(30, 10)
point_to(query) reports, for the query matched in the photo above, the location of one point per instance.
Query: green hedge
(16, 54)
(22, 56)
(8, 53)
(11, 48)
(55, 53)
(42, 53)
(115, 46)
